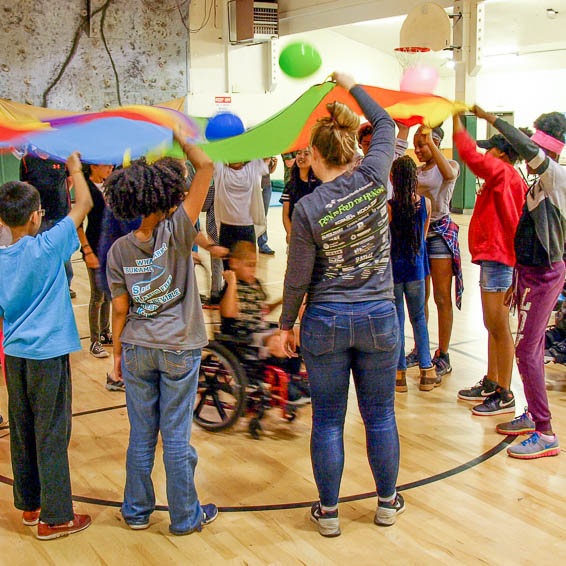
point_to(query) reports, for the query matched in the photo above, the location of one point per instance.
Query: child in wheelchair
(243, 309)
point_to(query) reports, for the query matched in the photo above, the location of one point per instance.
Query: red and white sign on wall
(223, 103)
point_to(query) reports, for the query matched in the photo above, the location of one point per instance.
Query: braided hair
(405, 232)
(142, 189)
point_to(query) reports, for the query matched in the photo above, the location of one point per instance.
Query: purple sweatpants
(538, 289)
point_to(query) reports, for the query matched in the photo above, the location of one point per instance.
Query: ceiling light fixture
(551, 13)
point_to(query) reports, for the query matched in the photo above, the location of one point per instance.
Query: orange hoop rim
(412, 49)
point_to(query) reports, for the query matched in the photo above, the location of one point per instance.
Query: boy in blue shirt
(39, 333)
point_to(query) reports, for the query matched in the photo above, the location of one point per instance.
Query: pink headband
(548, 142)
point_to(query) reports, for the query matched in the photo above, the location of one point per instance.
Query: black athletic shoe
(209, 513)
(480, 391)
(386, 513)
(412, 359)
(266, 250)
(442, 363)
(558, 352)
(497, 404)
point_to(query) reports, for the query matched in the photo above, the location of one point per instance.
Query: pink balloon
(420, 78)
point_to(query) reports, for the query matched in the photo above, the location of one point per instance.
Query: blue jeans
(161, 388)
(495, 277)
(414, 292)
(363, 338)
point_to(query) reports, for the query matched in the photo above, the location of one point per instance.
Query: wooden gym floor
(467, 502)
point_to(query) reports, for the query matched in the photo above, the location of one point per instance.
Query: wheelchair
(233, 381)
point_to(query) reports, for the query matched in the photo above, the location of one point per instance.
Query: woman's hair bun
(335, 136)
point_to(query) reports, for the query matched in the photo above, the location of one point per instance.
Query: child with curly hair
(158, 330)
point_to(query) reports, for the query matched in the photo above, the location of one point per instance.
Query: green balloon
(299, 60)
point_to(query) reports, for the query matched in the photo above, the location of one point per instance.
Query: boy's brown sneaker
(401, 381)
(48, 532)
(30, 518)
(429, 379)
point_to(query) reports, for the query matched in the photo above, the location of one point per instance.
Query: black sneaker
(442, 363)
(327, 521)
(266, 250)
(412, 359)
(480, 391)
(209, 513)
(386, 513)
(106, 339)
(558, 352)
(97, 350)
(497, 404)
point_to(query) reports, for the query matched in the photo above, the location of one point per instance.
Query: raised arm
(447, 170)
(201, 180)
(521, 143)
(229, 306)
(481, 165)
(83, 200)
(377, 162)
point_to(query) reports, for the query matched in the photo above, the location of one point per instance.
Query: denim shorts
(495, 277)
(437, 248)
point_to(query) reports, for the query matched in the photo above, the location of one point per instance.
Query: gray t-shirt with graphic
(159, 277)
(339, 249)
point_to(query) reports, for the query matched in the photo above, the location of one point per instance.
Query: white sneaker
(386, 513)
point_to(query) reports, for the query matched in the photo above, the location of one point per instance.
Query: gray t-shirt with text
(159, 277)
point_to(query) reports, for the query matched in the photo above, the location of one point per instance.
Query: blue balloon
(224, 125)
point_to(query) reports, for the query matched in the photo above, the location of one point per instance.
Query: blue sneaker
(523, 424)
(209, 513)
(534, 447)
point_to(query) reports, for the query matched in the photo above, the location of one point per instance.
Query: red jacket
(499, 203)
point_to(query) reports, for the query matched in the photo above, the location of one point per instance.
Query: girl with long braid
(410, 217)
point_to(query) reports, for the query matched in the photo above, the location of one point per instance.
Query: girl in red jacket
(490, 238)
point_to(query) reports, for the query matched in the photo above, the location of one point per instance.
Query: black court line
(82, 413)
(301, 504)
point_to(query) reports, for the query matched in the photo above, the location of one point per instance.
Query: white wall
(248, 67)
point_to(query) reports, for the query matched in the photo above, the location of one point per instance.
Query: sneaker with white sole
(478, 392)
(442, 362)
(523, 424)
(97, 350)
(31, 518)
(497, 404)
(209, 514)
(48, 532)
(327, 521)
(534, 447)
(386, 513)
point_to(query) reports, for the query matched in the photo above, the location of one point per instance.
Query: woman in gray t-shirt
(339, 257)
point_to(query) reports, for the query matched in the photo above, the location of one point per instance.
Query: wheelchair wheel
(222, 386)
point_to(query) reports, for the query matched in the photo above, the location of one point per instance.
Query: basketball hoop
(410, 56)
